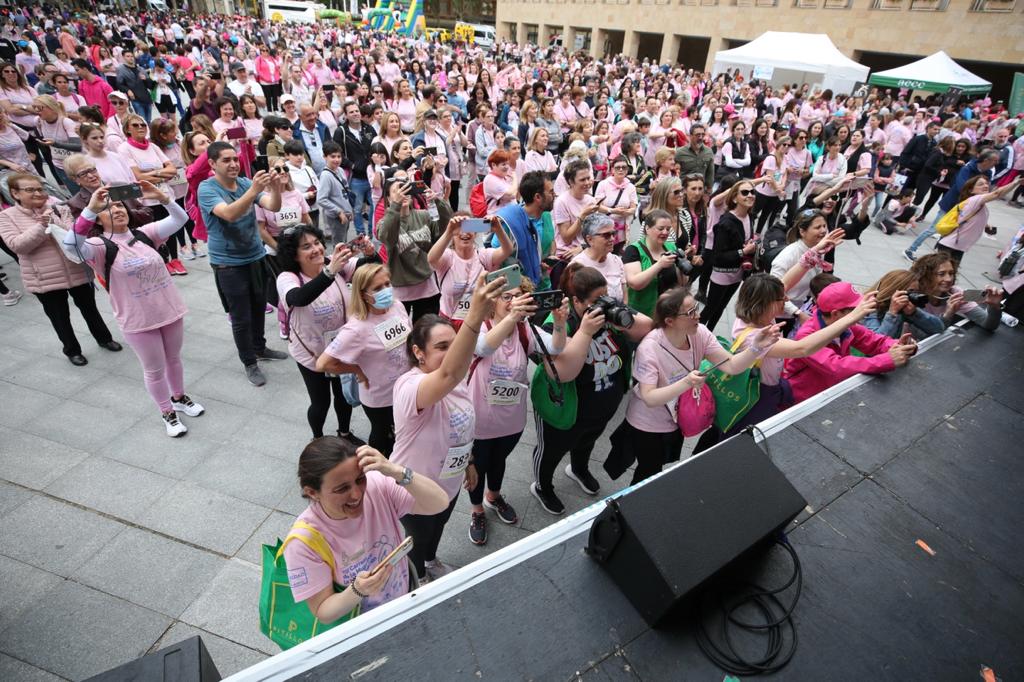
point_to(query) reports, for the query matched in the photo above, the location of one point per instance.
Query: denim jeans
(143, 109)
(360, 197)
(925, 234)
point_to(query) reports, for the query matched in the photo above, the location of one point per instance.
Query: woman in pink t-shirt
(435, 419)
(538, 158)
(572, 207)
(458, 268)
(147, 305)
(666, 366)
(973, 215)
(315, 294)
(113, 169)
(371, 345)
(356, 498)
(498, 385)
(618, 195)
(599, 236)
(501, 186)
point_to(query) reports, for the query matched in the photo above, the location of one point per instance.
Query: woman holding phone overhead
(457, 269)
(435, 418)
(356, 498)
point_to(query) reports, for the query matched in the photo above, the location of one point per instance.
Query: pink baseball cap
(838, 296)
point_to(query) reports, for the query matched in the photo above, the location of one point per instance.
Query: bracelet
(356, 590)
(475, 331)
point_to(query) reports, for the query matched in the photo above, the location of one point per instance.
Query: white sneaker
(198, 250)
(11, 297)
(174, 427)
(437, 569)
(188, 254)
(187, 406)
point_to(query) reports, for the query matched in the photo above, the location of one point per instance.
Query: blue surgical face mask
(383, 298)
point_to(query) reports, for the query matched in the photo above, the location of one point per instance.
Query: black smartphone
(122, 192)
(328, 87)
(430, 150)
(416, 188)
(261, 163)
(548, 300)
(215, 76)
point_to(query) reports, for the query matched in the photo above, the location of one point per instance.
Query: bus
(298, 11)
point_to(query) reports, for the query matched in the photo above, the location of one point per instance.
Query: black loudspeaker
(186, 661)
(669, 535)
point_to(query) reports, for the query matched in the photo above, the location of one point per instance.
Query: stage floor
(930, 453)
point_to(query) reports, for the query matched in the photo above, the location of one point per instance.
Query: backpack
(111, 250)
(771, 245)
(477, 201)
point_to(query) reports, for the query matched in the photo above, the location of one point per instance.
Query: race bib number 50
(392, 332)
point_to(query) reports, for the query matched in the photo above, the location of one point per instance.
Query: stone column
(597, 38)
(631, 44)
(669, 48)
(543, 35)
(568, 38)
(521, 33)
(717, 44)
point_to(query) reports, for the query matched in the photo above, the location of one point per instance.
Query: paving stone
(61, 379)
(22, 404)
(266, 479)
(150, 570)
(127, 391)
(78, 632)
(173, 457)
(21, 586)
(277, 437)
(55, 536)
(205, 517)
(110, 487)
(89, 427)
(17, 671)
(228, 656)
(32, 461)
(228, 607)
(12, 496)
(276, 526)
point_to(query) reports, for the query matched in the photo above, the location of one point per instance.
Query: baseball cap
(117, 94)
(287, 98)
(838, 296)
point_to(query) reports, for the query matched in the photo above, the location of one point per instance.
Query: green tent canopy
(937, 73)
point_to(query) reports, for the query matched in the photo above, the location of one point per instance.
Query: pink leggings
(159, 351)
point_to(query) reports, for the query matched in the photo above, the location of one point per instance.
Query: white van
(298, 11)
(484, 36)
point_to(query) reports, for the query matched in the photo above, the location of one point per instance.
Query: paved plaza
(117, 540)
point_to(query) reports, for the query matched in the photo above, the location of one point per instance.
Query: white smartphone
(475, 225)
(396, 555)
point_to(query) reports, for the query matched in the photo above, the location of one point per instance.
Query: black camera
(918, 298)
(683, 265)
(615, 312)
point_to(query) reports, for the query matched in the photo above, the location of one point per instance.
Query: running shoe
(12, 297)
(255, 375)
(548, 500)
(477, 529)
(502, 508)
(437, 569)
(187, 406)
(584, 480)
(174, 427)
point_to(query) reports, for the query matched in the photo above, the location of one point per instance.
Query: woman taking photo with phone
(667, 365)
(596, 360)
(147, 305)
(499, 384)
(356, 498)
(936, 275)
(408, 234)
(458, 268)
(435, 418)
(371, 345)
(314, 292)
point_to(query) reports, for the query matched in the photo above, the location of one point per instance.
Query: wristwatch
(406, 477)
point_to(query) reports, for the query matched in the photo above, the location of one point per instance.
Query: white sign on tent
(764, 72)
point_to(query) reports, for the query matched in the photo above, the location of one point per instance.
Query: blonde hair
(662, 155)
(527, 105)
(360, 283)
(50, 102)
(533, 138)
(385, 120)
(132, 118)
(660, 194)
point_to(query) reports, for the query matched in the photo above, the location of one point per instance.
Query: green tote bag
(735, 394)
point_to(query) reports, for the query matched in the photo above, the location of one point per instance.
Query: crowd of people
(421, 222)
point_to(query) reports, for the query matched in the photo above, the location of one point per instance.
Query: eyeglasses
(745, 192)
(85, 172)
(32, 190)
(507, 298)
(693, 312)
(136, 125)
(620, 167)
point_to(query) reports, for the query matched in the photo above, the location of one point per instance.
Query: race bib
(179, 179)
(329, 336)
(59, 154)
(461, 309)
(456, 461)
(287, 217)
(505, 392)
(392, 332)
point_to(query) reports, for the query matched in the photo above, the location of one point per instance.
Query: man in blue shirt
(236, 250)
(527, 224)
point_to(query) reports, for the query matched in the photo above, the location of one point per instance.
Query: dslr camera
(683, 265)
(918, 298)
(615, 312)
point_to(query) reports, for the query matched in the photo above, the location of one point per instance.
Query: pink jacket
(43, 265)
(833, 363)
(196, 172)
(265, 74)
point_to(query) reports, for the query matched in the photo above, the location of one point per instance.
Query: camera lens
(684, 266)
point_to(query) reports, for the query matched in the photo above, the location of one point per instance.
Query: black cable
(777, 619)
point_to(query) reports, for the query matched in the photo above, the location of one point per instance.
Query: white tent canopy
(936, 73)
(794, 58)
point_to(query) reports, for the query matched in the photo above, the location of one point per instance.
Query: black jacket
(917, 151)
(355, 151)
(729, 239)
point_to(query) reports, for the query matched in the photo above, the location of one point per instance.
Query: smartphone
(122, 192)
(328, 87)
(974, 295)
(235, 134)
(548, 300)
(215, 76)
(416, 188)
(430, 150)
(475, 225)
(512, 274)
(395, 556)
(261, 163)
(716, 366)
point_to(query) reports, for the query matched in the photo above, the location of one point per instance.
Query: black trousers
(426, 531)
(272, 91)
(55, 305)
(719, 296)
(320, 387)
(956, 254)
(382, 428)
(489, 455)
(242, 290)
(650, 451)
(422, 306)
(454, 199)
(766, 208)
(552, 444)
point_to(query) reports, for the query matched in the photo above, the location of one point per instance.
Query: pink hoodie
(833, 363)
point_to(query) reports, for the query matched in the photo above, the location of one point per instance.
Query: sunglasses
(620, 167)
(745, 192)
(677, 192)
(604, 235)
(834, 197)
